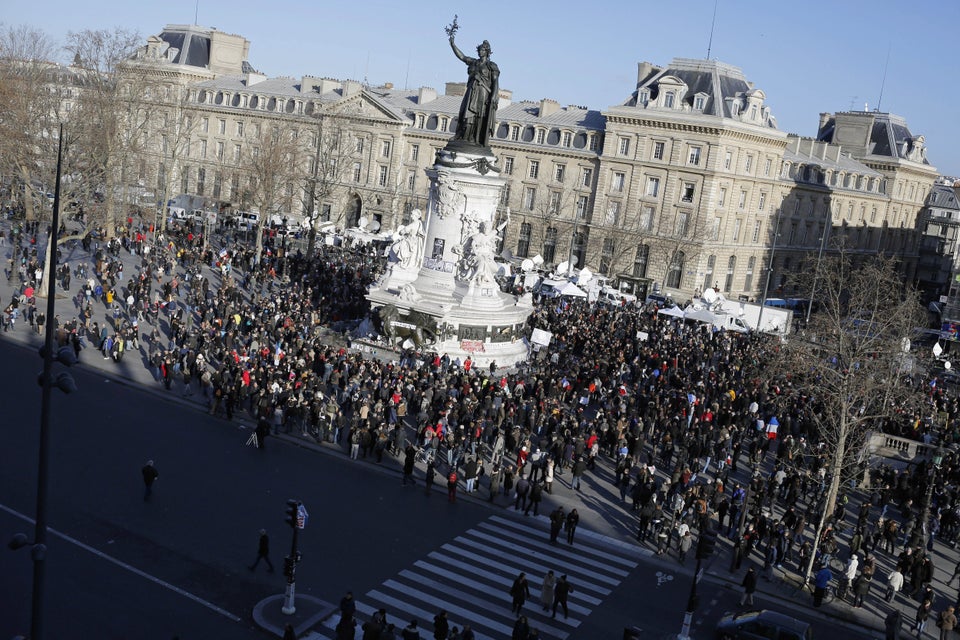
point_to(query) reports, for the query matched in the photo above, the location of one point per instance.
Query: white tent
(570, 289)
(675, 312)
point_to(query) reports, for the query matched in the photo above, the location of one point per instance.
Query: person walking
(452, 486)
(820, 584)
(570, 525)
(546, 590)
(556, 524)
(560, 593)
(409, 456)
(947, 622)
(579, 467)
(536, 495)
(921, 617)
(749, 585)
(519, 591)
(523, 488)
(411, 632)
(150, 475)
(429, 478)
(441, 626)
(263, 430)
(894, 584)
(892, 624)
(521, 629)
(263, 552)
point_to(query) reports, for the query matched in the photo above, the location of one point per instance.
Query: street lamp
(766, 284)
(64, 382)
(828, 225)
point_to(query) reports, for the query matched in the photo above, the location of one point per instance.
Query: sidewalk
(599, 502)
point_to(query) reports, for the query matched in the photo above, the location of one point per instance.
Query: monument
(440, 290)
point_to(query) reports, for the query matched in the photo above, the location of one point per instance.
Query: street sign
(302, 516)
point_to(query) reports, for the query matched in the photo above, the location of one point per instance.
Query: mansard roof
(725, 90)
(889, 135)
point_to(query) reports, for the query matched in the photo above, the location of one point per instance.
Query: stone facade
(688, 183)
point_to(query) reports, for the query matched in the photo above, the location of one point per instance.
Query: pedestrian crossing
(470, 578)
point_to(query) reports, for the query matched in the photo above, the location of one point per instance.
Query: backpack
(452, 478)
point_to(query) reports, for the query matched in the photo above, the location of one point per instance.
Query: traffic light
(293, 506)
(707, 543)
(289, 567)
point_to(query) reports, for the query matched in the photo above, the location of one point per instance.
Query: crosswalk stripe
(571, 556)
(564, 551)
(499, 593)
(471, 575)
(524, 551)
(455, 594)
(453, 610)
(509, 580)
(583, 548)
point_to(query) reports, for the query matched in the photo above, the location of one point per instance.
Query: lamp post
(766, 284)
(816, 274)
(920, 528)
(63, 381)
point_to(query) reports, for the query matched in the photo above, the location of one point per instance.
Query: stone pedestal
(454, 283)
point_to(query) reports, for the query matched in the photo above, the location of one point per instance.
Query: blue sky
(808, 57)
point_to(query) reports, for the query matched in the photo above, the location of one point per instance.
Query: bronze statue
(478, 111)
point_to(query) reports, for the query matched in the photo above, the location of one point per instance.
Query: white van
(247, 220)
(199, 216)
(614, 298)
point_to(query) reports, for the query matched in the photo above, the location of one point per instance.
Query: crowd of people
(680, 415)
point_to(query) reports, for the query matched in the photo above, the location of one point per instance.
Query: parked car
(762, 625)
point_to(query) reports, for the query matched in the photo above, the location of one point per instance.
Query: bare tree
(677, 241)
(109, 125)
(269, 164)
(849, 372)
(331, 147)
(30, 103)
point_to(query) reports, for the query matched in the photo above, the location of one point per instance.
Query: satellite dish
(947, 365)
(563, 267)
(709, 296)
(374, 226)
(537, 260)
(573, 261)
(362, 222)
(585, 275)
(527, 265)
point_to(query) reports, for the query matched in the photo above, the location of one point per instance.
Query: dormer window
(754, 111)
(699, 102)
(541, 136)
(643, 97)
(421, 120)
(669, 100)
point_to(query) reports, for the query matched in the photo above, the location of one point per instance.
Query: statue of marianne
(478, 111)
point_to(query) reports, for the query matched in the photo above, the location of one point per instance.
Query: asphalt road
(122, 568)
(199, 532)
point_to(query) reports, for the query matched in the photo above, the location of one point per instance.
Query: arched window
(731, 268)
(748, 278)
(708, 275)
(523, 241)
(675, 272)
(640, 261)
(550, 245)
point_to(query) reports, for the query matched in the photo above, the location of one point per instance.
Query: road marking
(128, 567)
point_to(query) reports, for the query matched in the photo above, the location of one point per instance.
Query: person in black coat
(520, 591)
(409, 455)
(749, 585)
(570, 526)
(263, 552)
(560, 592)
